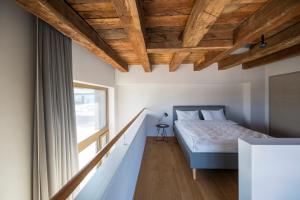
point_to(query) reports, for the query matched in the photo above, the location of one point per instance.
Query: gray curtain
(55, 158)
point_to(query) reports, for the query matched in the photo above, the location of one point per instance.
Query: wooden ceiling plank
(170, 8)
(160, 58)
(62, 17)
(221, 44)
(95, 9)
(87, 1)
(280, 55)
(98, 14)
(106, 23)
(112, 33)
(107, 6)
(203, 15)
(232, 18)
(271, 16)
(165, 21)
(243, 7)
(149, 21)
(120, 44)
(186, 49)
(278, 42)
(130, 15)
(205, 44)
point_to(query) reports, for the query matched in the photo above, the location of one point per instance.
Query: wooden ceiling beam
(177, 59)
(280, 55)
(129, 13)
(62, 17)
(271, 16)
(203, 15)
(207, 57)
(285, 39)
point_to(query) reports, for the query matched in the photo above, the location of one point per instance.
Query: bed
(209, 144)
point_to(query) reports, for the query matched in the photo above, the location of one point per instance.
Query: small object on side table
(162, 131)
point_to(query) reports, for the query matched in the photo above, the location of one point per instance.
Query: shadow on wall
(153, 119)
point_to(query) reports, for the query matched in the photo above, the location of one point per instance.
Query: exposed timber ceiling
(201, 32)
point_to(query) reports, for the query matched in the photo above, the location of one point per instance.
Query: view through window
(91, 120)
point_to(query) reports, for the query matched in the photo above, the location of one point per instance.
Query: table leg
(159, 133)
(165, 135)
(194, 173)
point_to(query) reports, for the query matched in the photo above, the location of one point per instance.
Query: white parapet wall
(269, 169)
(116, 177)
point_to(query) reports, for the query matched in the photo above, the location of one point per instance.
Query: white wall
(89, 68)
(161, 98)
(269, 169)
(17, 66)
(160, 89)
(241, 91)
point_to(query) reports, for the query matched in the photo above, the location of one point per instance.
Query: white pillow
(213, 115)
(187, 115)
(219, 115)
(207, 115)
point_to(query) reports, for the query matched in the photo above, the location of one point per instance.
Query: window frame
(95, 137)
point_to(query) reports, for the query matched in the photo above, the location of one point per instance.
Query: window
(91, 120)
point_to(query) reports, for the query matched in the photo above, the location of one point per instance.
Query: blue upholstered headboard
(191, 108)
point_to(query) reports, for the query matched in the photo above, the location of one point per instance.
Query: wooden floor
(165, 175)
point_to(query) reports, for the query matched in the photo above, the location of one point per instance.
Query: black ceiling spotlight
(262, 43)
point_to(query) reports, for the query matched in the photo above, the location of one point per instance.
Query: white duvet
(214, 136)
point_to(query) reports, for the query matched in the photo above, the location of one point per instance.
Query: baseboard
(155, 138)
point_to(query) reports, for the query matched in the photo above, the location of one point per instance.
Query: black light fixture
(262, 43)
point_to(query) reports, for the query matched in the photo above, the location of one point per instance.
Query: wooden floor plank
(165, 175)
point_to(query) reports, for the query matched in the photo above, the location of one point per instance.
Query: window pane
(90, 108)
